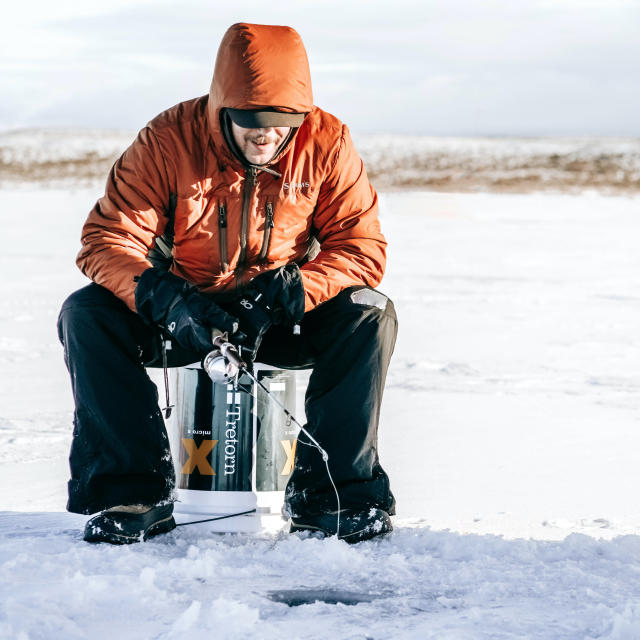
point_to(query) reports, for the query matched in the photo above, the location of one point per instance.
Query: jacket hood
(259, 66)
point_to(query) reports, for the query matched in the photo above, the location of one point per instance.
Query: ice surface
(510, 430)
(416, 584)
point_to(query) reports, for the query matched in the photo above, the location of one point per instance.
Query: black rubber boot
(355, 526)
(124, 527)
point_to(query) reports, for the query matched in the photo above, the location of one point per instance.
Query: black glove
(273, 297)
(166, 300)
(281, 292)
(254, 321)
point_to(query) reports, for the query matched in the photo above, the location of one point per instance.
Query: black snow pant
(120, 450)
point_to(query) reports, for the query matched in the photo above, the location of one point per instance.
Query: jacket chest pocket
(188, 214)
(269, 224)
(294, 214)
(264, 225)
(222, 237)
(201, 236)
(283, 226)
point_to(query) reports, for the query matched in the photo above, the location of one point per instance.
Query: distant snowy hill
(83, 157)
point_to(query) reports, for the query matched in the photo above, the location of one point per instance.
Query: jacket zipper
(249, 186)
(268, 225)
(222, 236)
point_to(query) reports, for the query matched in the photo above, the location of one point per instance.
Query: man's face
(259, 145)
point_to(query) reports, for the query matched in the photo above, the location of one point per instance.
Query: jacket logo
(295, 185)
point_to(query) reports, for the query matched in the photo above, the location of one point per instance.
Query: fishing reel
(224, 363)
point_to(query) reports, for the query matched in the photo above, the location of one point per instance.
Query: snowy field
(61, 157)
(510, 430)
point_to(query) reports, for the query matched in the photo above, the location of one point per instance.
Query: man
(208, 222)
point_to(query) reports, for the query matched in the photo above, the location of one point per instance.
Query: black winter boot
(355, 526)
(129, 524)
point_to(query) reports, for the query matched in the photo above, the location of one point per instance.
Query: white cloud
(455, 65)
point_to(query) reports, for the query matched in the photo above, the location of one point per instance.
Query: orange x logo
(198, 456)
(290, 450)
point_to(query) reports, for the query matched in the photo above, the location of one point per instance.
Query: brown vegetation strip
(423, 169)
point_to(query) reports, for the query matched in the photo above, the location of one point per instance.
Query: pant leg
(348, 341)
(120, 450)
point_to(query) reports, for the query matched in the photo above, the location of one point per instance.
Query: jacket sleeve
(352, 247)
(123, 225)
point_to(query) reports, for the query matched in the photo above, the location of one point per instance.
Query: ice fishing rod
(224, 364)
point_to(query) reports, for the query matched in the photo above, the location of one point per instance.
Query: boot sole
(162, 526)
(361, 535)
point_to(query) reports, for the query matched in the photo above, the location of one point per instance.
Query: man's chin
(262, 159)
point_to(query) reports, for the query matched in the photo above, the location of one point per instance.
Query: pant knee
(358, 313)
(375, 306)
(83, 306)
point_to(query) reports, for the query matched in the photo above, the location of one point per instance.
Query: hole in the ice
(297, 597)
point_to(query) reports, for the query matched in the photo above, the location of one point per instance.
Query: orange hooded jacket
(179, 187)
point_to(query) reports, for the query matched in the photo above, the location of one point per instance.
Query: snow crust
(429, 584)
(509, 430)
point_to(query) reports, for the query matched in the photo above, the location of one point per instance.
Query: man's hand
(273, 297)
(282, 293)
(254, 322)
(166, 300)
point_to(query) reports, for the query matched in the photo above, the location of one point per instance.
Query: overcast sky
(445, 67)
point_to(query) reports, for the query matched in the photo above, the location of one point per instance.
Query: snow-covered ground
(510, 430)
(502, 164)
(62, 157)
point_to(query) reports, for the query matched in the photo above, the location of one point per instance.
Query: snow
(509, 430)
(421, 584)
(502, 164)
(518, 360)
(66, 156)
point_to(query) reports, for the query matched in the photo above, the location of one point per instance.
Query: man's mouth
(261, 142)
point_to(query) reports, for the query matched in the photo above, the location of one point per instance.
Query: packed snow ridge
(416, 584)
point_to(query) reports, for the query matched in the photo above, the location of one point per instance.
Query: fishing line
(230, 515)
(224, 364)
(314, 443)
